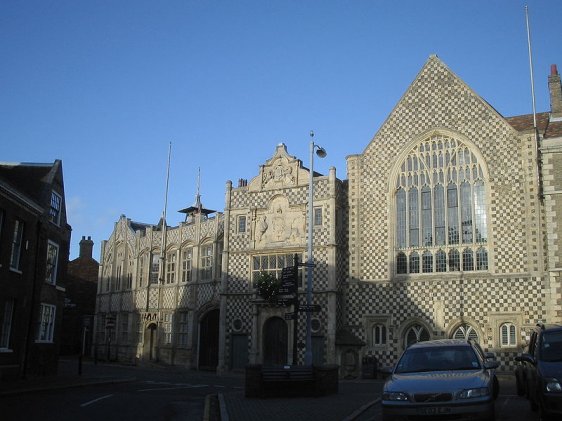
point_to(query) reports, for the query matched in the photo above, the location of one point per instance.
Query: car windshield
(551, 347)
(444, 358)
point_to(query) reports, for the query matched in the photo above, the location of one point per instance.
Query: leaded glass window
(466, 332)
(441, 209)
(416, 333)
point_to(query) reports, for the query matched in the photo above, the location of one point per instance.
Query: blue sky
(107, 85)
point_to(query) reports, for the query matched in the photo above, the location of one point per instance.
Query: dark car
(539, 374)
(441, 379)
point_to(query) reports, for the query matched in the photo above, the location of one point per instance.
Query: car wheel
(492, 415)
(496, 388)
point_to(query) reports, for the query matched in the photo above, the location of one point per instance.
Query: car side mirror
(491, 364)
(490, 355)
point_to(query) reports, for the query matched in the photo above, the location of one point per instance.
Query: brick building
(34, 247)
(80, 301)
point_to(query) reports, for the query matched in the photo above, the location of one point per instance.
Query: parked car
(442, 378)
(539, 374)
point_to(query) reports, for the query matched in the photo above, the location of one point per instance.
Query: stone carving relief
(279, 175)
(279, 172)
(280, 225)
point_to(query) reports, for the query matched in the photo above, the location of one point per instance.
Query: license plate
(434, 410)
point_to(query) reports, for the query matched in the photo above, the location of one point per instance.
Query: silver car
(441, 379)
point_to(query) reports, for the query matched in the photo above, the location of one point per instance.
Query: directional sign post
(312, 308)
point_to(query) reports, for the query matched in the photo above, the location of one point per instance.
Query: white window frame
(46, 328)
(154, 273)
(242, 224)
(186, 263)
(6, 325)
(510, 339)
(54, 211)
(183, 328)
(17, 243)
(206, 262)
(167, 324)
(52, 262)
(171, 259)
(318, 216)
(273, 264)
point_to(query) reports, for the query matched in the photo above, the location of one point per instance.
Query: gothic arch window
(466, 332)
(440, 209)
(415, 333)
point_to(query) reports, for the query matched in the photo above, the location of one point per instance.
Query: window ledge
(6, 350)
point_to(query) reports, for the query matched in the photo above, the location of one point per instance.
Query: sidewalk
(67, 377)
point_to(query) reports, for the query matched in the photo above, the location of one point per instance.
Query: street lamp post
(321, 152)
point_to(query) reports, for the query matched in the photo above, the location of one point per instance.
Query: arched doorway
(275, 341)
(149, 344)
(209, 341)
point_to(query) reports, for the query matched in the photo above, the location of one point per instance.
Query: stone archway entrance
(275, 341)
(209, 341)
(149, 344)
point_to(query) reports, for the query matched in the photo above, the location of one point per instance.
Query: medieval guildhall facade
(446, 226)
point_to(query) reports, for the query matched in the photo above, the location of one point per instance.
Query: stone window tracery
(440, 209)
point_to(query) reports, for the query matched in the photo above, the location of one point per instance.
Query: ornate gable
(279, 172)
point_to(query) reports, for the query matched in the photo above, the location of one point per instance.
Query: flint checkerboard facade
(447, 225)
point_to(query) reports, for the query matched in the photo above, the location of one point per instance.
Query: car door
(531, 369)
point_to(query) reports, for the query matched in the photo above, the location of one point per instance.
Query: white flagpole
(164, 224)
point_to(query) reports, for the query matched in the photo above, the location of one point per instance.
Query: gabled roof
(547, 129)
(33, 180)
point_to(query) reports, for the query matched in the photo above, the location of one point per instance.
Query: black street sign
(286, 290)
(285, 302)
(289, 274)
(290, 316)
(305, 308)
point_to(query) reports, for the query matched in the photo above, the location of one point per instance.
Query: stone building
(158, 297)
(447, 226)
(265, 226)
(454, 217)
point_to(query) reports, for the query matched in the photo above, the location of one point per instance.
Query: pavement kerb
(33, 389)
(222, 406)
(360, 410)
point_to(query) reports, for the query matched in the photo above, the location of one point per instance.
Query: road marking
(95, 400)
(173, 388)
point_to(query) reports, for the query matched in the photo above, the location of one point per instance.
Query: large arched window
(440, 201)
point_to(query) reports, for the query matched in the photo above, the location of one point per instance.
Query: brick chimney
(555, 89)
(86, 247)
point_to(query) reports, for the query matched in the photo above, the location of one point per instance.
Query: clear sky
(107, 85)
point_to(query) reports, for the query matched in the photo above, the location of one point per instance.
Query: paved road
(154, 395)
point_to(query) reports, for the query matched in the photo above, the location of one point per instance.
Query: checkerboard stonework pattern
(439, 102)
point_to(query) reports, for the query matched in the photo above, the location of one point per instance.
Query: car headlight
(473, 393)
(552, 385)
(394, 396)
